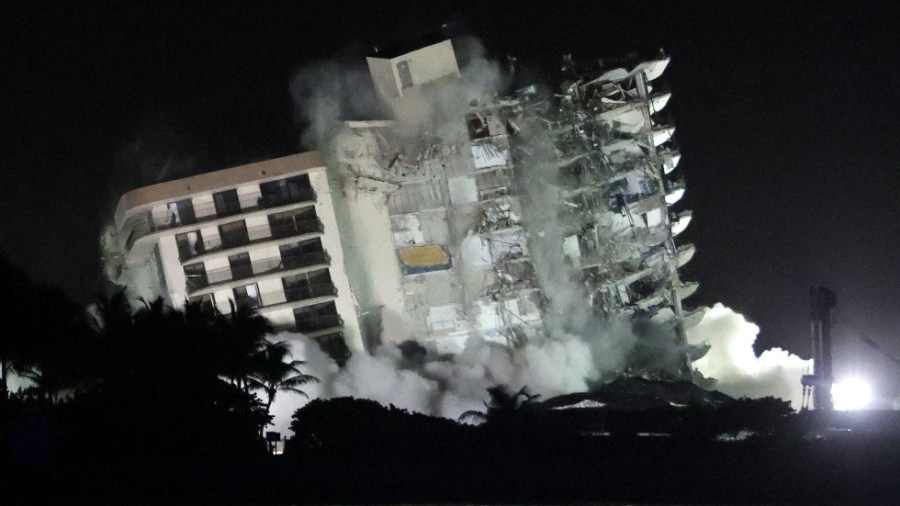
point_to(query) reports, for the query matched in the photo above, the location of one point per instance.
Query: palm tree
(277, 373)
(242, 336)
(503, 407)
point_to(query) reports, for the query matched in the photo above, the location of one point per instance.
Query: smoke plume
(449, 387)
(732, 362)
(329, 92)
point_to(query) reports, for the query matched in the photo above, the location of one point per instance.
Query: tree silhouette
(277, 373)
(242, 335)
(503, 408)
(15, 306)
(180, 373)
(44, 337)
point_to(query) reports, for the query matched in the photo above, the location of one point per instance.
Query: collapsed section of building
(467, 214)
(513, 214)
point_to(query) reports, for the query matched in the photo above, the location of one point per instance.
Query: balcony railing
(150, 222)
(319, 323)
(276, 297)
(257, 234)
(296, 293)
(264, 266)
(239, 303)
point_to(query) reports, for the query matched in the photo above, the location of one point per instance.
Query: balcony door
(234, 234)
(227, 202)
(246, 296)
(195, 276)
(240, 266)
(298, 221)
(308, 285)
(301, 254)
(180, 213)
(317, 317)
(285, 191)
(189, 245)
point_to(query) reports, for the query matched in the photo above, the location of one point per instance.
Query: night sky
(787, 118)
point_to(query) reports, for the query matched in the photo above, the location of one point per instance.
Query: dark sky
(787, 118)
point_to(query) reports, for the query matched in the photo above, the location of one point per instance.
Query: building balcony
(253, 235)
(294, 294)
(319, 323)
(257, 268)
(150, 222)
(298, 293)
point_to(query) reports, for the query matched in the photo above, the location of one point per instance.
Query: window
(195, 275)
(234, 234)
(317, 317)
(308, 285)
(298, 221)
(648, 186)
(406, 80)
(478, 127)
(302, 254)
(306, 279)
(227, 202)
(246, 296)
(286, 191)
(180, 213)
(189, 245)
(205, 302)
(240, 266)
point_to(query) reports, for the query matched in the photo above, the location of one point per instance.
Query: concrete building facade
(262, 235)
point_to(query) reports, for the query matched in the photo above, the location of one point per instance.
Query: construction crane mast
(818, 384)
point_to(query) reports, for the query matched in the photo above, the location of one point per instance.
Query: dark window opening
(317, 317)
(195, 275)
(478, 127)
(240, 266)
(307, 279)
(189, 245)
(234, 234)
(298, 221)
(308, 285)
(246, 296)
(204, 301)
(227, 203)
(302, 254)
(286, 191)
(181, 213)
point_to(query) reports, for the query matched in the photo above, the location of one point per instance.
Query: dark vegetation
(115, 383)
(158, 405)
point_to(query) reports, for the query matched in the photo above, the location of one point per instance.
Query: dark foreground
(857, 471)
(386, 456)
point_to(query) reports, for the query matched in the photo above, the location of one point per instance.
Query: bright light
(850, 394)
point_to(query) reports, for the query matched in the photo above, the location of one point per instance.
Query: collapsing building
(466, 215)
(443, 228)
(510, 218)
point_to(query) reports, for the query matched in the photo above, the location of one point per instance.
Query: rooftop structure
(262, 235)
